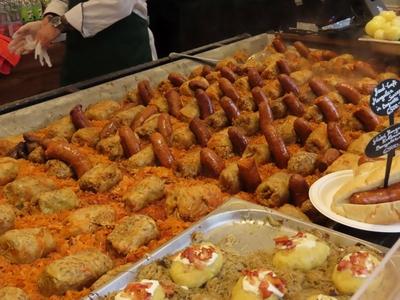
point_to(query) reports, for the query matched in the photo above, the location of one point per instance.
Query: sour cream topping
(198, 255)
(301, 239)
(144, 289)
(361, 263)
(259, 283)
(324, 297)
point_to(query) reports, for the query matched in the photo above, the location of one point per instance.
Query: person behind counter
(102, 35)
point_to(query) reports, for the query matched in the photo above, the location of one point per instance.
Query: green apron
(122, 45)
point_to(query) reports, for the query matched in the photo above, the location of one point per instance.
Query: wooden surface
(29, 78)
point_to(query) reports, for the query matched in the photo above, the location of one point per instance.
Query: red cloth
(7, 59)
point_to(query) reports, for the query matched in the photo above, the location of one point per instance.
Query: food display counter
(110, 181)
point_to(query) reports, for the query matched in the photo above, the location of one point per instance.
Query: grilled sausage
(367, 117)
(109, 129)
(238, 139)
(228, 89)
(283, 67)
(365, 69)
(318, 87)
(228, 74)
(302, 128)
(348, 92)
(336, 136)
(327, 108)
(211, 162)
(174, 103)
(377, 196)
(328, 54)
(259, 95)
(164, 127)
(78, 118)
(69, 154)
(204, 102)
(161, 150)
(129, 140)
(200, 130)
(230, 108)
(288, 84)
(265, 114)
(143, 116)
(196, 84)
(254, 77)
(298, 188)
(248, 174)
(176, 79)
(302, 49)
(276, 145)
(279, 45)
(145, 91)
(327, 158)
(293, 104)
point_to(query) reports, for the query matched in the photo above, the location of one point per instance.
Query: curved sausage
(293, 104)
(328, 54)
(164, 127)
(302, 49)
(109, 129)
(176, 79)
(32, 137)
(70, 155)
(318, 87)
(200, 130)
(365, 69)
(129, 140)
(228, 89)
(248, 174)
(78, 118)
(279, 45)
(277, 146)
(259, 95)
(327, 108)
(265, 114)
(196, 84)
(298, 188)
(228, 74)
(326, 159)
(336, 136)
(367, 117)
(230, 108)
(254, 77)
(145, 91)
(348, 92)
(238, 139)
(288, 84)
(174, 103)
(302, 128)
(377, 196)
(143, 116)
(204, 102)
(283, 67)
(211, 162)
(161, 150)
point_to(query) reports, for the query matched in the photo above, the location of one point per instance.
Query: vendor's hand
(47, 34)
(19, 43)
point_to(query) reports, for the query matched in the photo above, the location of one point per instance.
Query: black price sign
(384, 142)
(385, 100)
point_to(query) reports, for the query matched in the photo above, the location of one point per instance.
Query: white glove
(24, 41)
(19, 45)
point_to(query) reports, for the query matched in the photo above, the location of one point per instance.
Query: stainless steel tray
(252, 226)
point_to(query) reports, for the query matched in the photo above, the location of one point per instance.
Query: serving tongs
(209, 61)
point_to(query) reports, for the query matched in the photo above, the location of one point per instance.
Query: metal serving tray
(253, 227)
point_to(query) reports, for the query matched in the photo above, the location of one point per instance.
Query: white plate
(321, 195)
